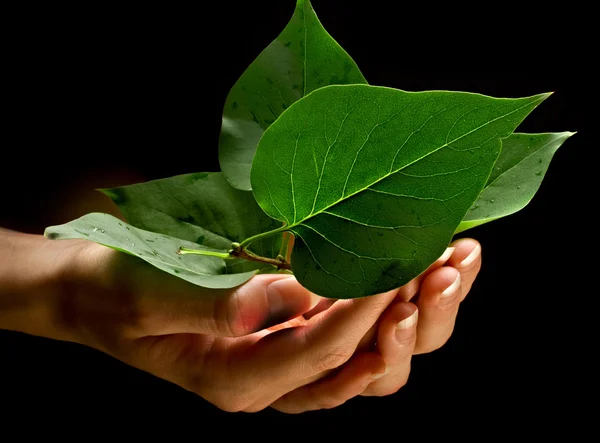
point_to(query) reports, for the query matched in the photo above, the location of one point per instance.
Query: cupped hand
(419, 320)
(251, 347)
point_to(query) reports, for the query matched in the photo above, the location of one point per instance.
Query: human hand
(235, 348)
(230, 347)
(419, 320)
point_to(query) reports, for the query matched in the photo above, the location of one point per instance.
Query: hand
(212, 342)
(235, 348)
(419, 320)
(230, 347)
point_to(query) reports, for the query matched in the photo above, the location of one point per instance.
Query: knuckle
(332, 358)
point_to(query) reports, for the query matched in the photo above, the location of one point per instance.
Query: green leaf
(304, 57)
(374, 181)
(199, 207)
(516, 177)
(157, 249)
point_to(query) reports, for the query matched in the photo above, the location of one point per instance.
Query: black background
(101, 96)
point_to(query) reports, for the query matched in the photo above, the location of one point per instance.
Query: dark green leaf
(301, 59)
(201, 208)
(374, 181)
(157, 249)
(516, 177)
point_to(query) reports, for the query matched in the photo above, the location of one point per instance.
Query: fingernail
(378, 375)
(403, 327)
(451, 292)
(447, 254)
(471, 257)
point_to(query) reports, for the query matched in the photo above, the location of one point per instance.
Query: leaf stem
(284, 251)
(238, 251)
(223, 255)
(245, 243)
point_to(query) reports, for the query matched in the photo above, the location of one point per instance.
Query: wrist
(34, 284)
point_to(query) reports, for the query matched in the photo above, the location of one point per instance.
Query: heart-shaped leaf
(199, 207)
(516, 177)
(374, 181)
(157, 249)
(304, 57)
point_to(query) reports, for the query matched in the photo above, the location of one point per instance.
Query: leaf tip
(105, 191)
(111, 193)
(546, 95)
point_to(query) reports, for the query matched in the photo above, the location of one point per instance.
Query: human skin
(267, 343)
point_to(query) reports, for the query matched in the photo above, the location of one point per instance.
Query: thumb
(264, 301)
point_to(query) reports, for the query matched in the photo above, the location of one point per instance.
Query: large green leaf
(304, 57)
(199, 207)
(374, 181)
(516, 177)
(157, 249)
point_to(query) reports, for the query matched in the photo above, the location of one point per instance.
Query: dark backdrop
(101, 96)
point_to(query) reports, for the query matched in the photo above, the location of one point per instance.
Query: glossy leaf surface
(157, 249)
(516, 177)
(304, 57)
(201, 208)
(374, 181)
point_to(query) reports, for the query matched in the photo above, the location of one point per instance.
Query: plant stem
(238, 251)
(278, 262)
(284, 251)
(249, 240)
(224, 255)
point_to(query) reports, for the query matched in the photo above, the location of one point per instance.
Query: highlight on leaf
(374, 181)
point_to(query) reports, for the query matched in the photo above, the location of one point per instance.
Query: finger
(344, 325)
(438, 302)
(323, 305)
(332, 391)
(264, 301)
(396, 340)
(405, 293)
(467, 259)
(292, 357)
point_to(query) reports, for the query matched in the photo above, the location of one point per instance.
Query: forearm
(31, 284)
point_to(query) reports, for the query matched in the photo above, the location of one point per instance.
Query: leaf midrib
(304, 76)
